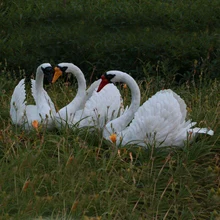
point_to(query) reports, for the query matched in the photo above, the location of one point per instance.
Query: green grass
(78, 175)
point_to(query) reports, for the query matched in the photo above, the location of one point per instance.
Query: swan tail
(18, 103)
(197, 130)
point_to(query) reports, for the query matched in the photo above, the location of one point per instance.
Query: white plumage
(23, 114)
(88, 108)
(160, 121)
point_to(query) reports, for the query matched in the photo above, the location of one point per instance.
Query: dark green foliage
(100, 35)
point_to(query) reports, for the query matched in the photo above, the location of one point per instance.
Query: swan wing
(89, 93)
(18, 103)
(92, 88)
(101, 107)
(181, 102)
(33, 90)
(159, 120)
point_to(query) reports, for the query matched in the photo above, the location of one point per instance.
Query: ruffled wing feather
(159, 120)
(92, 88)
(89, 92)
(18, 103)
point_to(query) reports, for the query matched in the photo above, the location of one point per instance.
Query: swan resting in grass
(25, 115)
(88, 108)
(160, 121)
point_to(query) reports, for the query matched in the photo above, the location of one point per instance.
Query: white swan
(23, 114)
(88, 108)
(160, 120)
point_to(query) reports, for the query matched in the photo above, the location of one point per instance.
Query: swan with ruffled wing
(23, 114)
(160, 121)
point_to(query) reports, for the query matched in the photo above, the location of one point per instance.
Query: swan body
(160, 121)
(87, 108)
(23, 114)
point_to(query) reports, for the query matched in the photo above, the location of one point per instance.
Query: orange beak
(57, 74)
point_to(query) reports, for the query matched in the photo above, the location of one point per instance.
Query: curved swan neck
(81, 91)
(121, 122)
(39, 82)
(80, 97)
(135, 93)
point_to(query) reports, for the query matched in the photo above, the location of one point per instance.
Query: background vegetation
(100, 35)
(75, 174)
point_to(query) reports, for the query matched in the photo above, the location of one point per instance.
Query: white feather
(18, 103)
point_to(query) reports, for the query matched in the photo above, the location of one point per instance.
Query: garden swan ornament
(160, 121)
(42, 112)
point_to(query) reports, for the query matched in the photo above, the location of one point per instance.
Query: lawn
(75, 174)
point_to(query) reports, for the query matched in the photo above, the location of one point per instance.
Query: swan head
(59, 70)
(63, 68)
(47, 70)
(112, 76)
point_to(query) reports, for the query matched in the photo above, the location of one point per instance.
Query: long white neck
(76, 103)
(121, 122)
(39, 85)
(81, 91)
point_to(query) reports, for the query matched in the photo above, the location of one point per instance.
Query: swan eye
(47, 70)
(63, 68)
(109, 77)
